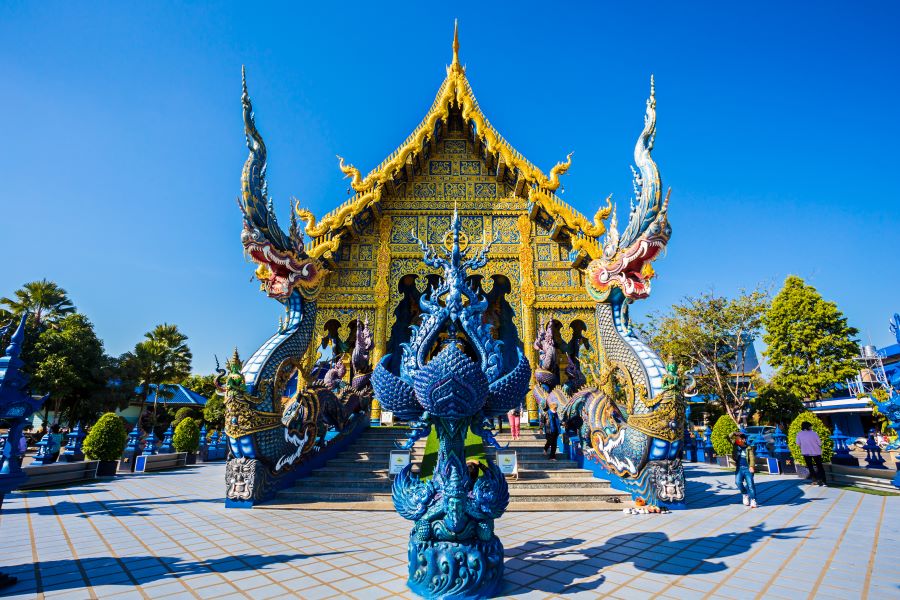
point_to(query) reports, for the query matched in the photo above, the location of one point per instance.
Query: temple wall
(368, 269)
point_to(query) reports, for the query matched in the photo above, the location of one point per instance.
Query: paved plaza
(168, 535)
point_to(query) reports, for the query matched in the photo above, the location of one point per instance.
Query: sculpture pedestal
(471, 569)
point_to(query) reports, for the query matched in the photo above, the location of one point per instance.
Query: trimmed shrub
(721, 441)
(819, 427)
(107, 438)
(187, 436)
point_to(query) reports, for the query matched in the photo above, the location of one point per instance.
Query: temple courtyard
(168, 535)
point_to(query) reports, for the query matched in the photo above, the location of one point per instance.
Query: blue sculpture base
(449, 570)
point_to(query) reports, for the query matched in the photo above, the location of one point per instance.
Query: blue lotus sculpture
(451, 378)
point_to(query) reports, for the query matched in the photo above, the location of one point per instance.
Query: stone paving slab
(168, 535)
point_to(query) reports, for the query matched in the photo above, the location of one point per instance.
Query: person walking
(551, 432)
(744, 460)
(811, 449)
(513, 416)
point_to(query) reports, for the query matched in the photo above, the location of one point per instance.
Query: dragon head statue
(625, 263)
(283, 264)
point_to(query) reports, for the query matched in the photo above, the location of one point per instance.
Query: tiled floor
(168, 535)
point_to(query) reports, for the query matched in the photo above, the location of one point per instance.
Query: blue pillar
(212, 452)
(707, 445)
(202, 449)
(150, 445)
(73, 452)
(760, 447)
(842, 454)
(43, 456)
(874, 460)
(167, 447)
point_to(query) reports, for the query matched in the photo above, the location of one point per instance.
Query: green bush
(819, 427)
(724, 427)
(187, 436)
(107, 438)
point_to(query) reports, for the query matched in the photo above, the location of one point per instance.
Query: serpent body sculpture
(632, 412)
(270, 435)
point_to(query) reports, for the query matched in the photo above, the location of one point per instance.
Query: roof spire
(455, 42)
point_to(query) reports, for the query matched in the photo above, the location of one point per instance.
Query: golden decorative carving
(382, 292)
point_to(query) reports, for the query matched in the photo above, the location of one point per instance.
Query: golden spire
(455, 62)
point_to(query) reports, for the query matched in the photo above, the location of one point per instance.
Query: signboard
(508, 462)
(774, 467)
(387, 417)
(399, 460)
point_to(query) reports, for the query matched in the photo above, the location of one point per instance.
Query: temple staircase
(357, 479)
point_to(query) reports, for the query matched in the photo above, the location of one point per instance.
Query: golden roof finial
(456, 42)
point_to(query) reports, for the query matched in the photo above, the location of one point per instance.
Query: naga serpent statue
(451, 377)
(268, 438)
(633, 416)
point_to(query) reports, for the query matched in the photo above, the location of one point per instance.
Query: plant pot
(107, 468)
(191, 458)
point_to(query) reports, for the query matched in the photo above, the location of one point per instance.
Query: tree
(162, 358)
(776, 405)
(714, 334)
(809, 342)
(177, 354)
(67, 362)
(185, 412)
(214, 411)
(45, 300)
(202, 384)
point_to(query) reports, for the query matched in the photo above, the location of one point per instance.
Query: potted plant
(824, 436)
(106, 442)
(721, 439)
(187, 439)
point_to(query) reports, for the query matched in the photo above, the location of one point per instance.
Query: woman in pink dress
(513, 416)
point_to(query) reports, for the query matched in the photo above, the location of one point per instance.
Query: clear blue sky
(124, 144)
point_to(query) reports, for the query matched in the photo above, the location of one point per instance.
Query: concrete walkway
(168, 535)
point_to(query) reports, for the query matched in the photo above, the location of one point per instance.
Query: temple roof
(455, 93)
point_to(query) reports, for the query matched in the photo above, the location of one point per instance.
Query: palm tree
(45, 300)
(164, 357)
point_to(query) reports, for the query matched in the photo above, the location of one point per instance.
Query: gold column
(382, 295)
(526, 264)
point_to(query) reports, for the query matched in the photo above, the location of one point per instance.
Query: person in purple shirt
(811, 449)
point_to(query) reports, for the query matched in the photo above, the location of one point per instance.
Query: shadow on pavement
(115, 508)
(144, 569)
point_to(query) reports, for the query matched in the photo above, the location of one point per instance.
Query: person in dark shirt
(551, 432)
(744, 461)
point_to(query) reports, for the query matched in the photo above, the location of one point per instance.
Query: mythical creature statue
(633, 411)
(546, 373)
(268, 439)
(451, 377)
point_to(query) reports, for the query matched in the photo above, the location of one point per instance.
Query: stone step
(518, 494)
(382, 506)
(384, 483)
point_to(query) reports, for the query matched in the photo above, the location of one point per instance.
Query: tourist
(744, 460)
(55, 443)
(513, 416)
(811, 449)
(551, 431)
